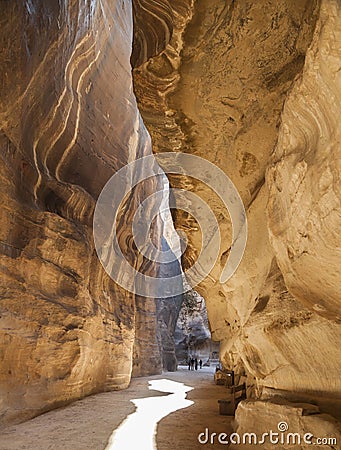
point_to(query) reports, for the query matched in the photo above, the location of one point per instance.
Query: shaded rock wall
(153, 28)
(167, 313)
(69, 120)
(218, 91)
(154, 335)
(147, 352)
(192, 334)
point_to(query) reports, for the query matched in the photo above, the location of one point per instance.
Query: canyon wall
(69, 121)
(167, 312)
(154, 334)
(192, 333)
(254, 87)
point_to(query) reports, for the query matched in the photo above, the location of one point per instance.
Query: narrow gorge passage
(89, 423)
(170, 189)
(139, 429)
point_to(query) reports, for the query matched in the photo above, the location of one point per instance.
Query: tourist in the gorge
(200, 363)
(189, 362)
(192, 363)
(196, 364)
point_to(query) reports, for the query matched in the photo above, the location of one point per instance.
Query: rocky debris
(292, 425)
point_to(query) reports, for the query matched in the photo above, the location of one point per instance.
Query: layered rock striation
(303, 180)
(69, 121)
(254, 88)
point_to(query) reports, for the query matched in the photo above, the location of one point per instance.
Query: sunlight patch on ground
(138, 430)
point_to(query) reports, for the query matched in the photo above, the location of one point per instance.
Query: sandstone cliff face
(69, 120)
(153, 28)
(154, 334)
(253, 87)
(167, 312)
(304, 204)
(218, 91)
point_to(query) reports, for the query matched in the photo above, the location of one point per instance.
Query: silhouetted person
(192, 364)
(196, 364)
(200, 363)
(189, 363)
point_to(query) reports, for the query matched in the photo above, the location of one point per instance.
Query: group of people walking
(193, 363)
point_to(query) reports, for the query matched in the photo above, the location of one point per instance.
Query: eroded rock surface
(218, 91)
(254, 87)
(153, 28)
(285, 424)
(167, 313)
(154, 335)
(192, 333)
(69, 121)
(304, 179)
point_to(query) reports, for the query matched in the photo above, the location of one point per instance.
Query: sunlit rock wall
(254, 87)
(68, 121)
(304, 179)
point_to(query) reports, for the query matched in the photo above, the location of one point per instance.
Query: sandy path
(179, 430)
(89, 423)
